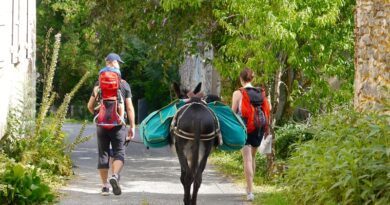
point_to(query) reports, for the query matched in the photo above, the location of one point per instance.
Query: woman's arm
(236, 100)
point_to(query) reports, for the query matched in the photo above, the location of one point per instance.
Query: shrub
(21, 184)
(287, 137)
(347, 162)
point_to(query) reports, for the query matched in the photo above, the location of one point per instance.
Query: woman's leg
(248, 167)
(254, 151)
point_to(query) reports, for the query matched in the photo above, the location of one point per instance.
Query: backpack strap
(266, 107)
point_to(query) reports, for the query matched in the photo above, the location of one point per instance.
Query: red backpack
(109, 94)
(255, 108)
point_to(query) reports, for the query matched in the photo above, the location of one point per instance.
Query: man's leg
(103, 141)
(117, 166)
(117, 141)
(104, 176)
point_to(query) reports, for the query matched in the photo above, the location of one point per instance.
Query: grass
(230, 164)
(273, 198)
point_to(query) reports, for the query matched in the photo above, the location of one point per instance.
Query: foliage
(37, 160)
(347, 162)
(78, 53)
(20, 184)
(79, 138)
(308, 42)
(230, 163)
(48, 95)
(287, 137)
(147, 75)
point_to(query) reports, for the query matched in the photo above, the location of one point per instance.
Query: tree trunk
(372, 55)
(198, 68)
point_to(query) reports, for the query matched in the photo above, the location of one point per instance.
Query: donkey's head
(184, 93)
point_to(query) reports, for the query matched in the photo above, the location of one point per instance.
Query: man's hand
(130, 135)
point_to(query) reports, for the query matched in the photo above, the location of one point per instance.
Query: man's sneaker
(105, 191)
(115, 185)
(250, 197)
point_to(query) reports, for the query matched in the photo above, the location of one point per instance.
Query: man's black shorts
(116, 136)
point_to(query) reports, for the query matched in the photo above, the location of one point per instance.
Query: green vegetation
(272, 198)
(347, 161)
(35, 162)
(287, 138)
(299, 46)
(21, 184)
(301, 50)
(230, 163)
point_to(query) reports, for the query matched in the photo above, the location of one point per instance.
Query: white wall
(17, 57)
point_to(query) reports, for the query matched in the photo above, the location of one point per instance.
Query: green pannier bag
(154, 129)
(233, 129)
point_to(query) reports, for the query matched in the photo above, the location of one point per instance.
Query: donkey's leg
(186, 177)
(198, 176)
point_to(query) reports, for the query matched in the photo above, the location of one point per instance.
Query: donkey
(194, 132)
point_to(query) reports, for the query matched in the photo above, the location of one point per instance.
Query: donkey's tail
(195, 148)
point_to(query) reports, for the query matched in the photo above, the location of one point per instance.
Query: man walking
(117, 135)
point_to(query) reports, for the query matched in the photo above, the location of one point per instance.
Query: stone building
(17, 58)
(372, 54)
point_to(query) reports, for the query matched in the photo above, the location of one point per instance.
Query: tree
(295, 47)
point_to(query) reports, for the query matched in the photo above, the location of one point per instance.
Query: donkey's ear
(176, 89)
(197, 88)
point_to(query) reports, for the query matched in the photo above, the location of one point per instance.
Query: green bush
(20, 184)
(287, 137)
(347, 162)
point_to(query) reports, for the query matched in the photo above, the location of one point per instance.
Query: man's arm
(130, 116)
(91, 104)
(92, 100)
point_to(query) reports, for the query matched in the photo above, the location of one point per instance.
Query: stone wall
(372, 54)
(17, 59)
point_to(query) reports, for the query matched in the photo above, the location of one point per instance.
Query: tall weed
(37, 161)
(347, 162)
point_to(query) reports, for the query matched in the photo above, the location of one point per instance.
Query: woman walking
(249, 99)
